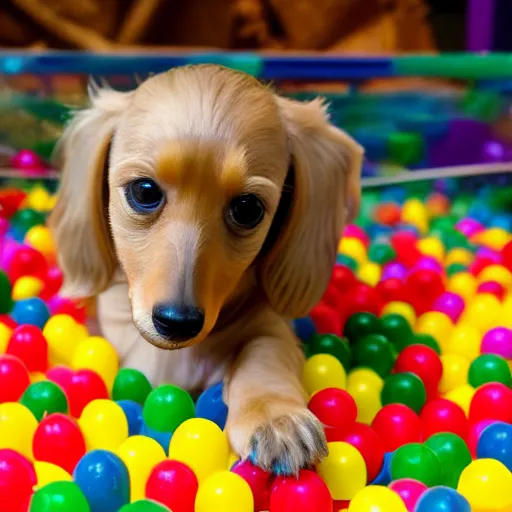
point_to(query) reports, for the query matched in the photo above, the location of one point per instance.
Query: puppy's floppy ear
(79, 222)
(326, 164)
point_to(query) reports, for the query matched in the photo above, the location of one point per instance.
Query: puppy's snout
(177, 323)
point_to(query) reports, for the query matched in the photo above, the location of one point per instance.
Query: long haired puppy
(204, 212)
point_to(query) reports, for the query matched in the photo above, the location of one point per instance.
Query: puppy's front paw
(278, 437)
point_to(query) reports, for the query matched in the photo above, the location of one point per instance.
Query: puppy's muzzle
(177, 323)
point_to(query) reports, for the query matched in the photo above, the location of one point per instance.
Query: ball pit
(409, 358)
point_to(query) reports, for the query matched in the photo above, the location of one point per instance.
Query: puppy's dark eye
(246, 211)
(144, 195)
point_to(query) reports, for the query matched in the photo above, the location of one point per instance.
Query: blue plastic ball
(442, 499)
(104, 479)
(304, 328)
(133, 412)
(495, 442)
(211, 406)
(162, 438)
(31, 311)
(384, 477)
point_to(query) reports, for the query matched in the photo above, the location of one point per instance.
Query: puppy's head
(196, 178)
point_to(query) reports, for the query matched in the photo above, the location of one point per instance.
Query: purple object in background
(498, 341)
(394, 270)
(479, 25)
(468, 226)
(450, 304)
(493, 151)
(462, 145)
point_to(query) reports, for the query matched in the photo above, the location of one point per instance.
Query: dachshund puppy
(204, 213)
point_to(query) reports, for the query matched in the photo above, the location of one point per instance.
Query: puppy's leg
(268, 420)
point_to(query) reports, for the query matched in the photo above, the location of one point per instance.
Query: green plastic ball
(6, 301)
(333, 345)
(59, 497)
(489, 368)
(130, 384)
(360, 325)
(453, 453)
(455, 268)
(417, 461)
(425, 339)
(381, 253)
(347, 261)
(144, 506)
(374, 351)
(404, 388)
(27, 218)
(167, 407)
(396, 329)
(44, 397)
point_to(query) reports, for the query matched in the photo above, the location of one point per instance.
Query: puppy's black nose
(177, 323)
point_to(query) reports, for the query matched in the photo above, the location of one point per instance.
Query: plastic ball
(210, 405)
(62, 306)
(436, 324)
(492, 401)
(370, 273)
(140, 454)
(400, 308)
(48, 473)
(409, 490)
(442, 499)
(361, 297)
(343, 470)
(28, 343)
(498, 341)
(26, 262)
(455, 372)
(483, 312)
(365, 386)
(335, 408)
(450, 304)
(463, 284)
(201, 445)
(58, 440)
(26, 287)
(326, 319)
(17, 479)
(397, 330)
(133, 412)
(375, 498)
(404, 388)
(360, 325)
(61, 333)
(32, 311)
(144, 506)
(104, 480)
(374, 351)
(259, 481)
(431, 246)
(5, 335)
(441, 415)
(416, 461)
(453, 453)
(396, 425)
(489, 368)
(224, 491)
(465, 340)
(486, 484)
(323, 371)
(462, 396)
(40, 238)
(97, 354)
(130, 384)
(103, 425)
(59, 497)
(354, 248)
(495, 442)
(17, 428)
(14, 378)
(390, 289)
(43, 398)
(475, 431)
(333, 345)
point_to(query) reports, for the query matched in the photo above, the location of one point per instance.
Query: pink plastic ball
(394, 271)
(353, 231)
(259, 481)
(450, 304)
(475, 430)
(429, 263)
(27, 160)
(498, 341)
(492, 287)
(469, 226)
(409, 490)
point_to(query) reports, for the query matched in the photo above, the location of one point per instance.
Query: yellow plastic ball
(48, 473)
(483, 312)
(224, 492)
(486, 484)
(201, 445)
(436, 324)
(400, 308)
(506, 311)
(97, 354)
(232, 460)
(50, 204)
(432, 246)
(37, 377)
(81, 331)
(37, 199)
(376, 498)
(104, 425)
(497, 273)
(459, 255)
(370, 273)
(415, 212)
(26, 287)
(462, 396)
(5, 336)
(323, 371)
(494, 238)
(365, 386)
(354, 248)
(465, 340)
(343, 470)
(17, 428)
(140, 454)
(61, 333)
(455, 372)
(463, 284)
(40, 238)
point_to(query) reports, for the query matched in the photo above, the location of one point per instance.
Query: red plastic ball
(174, 485)
(423, 286)
(404, 243)
(26, 261)
(369, 445)
(52, 283)
(61, 306)
(506, 255)
(491, 401)
(61, 375)
(361, 297)
(259, 481)
(343, 278)
(396, 425)
(10, 201)
(17, 480)
(391, 290)
(388, 214)
(303, 494)
(8, 321)
(14, 378)
(443, 415)
(479, 264)
(85, 386)
(332, 297)
(424, 362)
(335, 408)
(326, 319)
(493, 288)
(58, 440)
(29, 344)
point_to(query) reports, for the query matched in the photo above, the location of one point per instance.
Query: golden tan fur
(206, 134)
